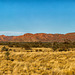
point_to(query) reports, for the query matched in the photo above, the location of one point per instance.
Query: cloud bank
(11, 33)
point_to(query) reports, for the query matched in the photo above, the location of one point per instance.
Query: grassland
(38, 61)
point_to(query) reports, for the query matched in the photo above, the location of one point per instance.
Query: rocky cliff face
(43, 37)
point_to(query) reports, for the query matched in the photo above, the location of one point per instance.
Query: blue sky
(36, 16)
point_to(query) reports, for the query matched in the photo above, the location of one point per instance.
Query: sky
(36, 16)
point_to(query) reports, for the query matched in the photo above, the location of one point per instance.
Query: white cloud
(11, 33)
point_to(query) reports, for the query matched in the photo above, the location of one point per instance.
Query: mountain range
(43, 37)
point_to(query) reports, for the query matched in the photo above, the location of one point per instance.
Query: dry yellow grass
(37, 63)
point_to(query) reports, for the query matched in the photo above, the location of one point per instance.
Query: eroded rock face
(43, 37)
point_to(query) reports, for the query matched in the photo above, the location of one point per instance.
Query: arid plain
(38, 61)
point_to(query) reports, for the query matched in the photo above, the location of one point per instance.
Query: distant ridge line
(43, 37)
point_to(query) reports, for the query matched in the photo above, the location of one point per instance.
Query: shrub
(12, 59)
(63, 49)
(55, 46)
(40, 50)
(10, 45)
(4, 49)
(27, 47)
(10, 49)
(36, 50)
(7, 55)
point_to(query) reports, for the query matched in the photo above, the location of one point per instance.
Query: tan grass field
(37, 62)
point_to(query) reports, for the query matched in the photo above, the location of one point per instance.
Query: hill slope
(43, 37)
